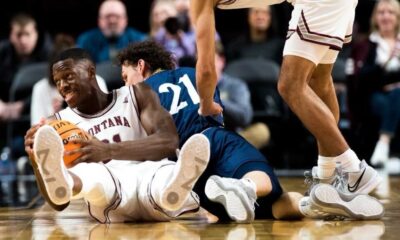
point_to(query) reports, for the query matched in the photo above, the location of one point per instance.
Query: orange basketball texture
(68, 132)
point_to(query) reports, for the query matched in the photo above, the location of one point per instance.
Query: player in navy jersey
(238, 174)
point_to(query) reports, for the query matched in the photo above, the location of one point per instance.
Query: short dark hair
(155, 55)
(22, 19)
(76, 54)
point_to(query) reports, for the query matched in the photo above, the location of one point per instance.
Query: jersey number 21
(177, 105)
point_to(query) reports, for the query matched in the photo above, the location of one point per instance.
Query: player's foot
(361, 182)
(192, 161)
(237, 197)
(324, 198)
(49, 169)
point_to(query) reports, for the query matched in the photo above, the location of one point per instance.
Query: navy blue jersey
(178, 95)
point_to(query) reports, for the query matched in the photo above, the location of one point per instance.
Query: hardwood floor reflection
(74, 223)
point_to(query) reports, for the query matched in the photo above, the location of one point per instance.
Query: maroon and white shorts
(319, 28)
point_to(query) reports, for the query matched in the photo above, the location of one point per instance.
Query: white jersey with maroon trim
(236, 4)
(119, 121)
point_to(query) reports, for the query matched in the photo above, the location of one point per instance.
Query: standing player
(133, 128)
(316, 33)
(246, 173)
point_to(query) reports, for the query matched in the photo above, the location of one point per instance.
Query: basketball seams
(66, 131)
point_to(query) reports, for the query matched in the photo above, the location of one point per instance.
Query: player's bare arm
(163, 137)
(202, 12)
(162, 140)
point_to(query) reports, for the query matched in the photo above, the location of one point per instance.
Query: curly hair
(155, 56)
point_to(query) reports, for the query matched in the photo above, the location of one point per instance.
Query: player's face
(386, 17)
(131, 75)
(72, 80)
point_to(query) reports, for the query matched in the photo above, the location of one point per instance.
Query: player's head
(74, 75)
(112, 19)
(140, 60)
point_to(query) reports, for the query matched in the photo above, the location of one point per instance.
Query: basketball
(68, 132)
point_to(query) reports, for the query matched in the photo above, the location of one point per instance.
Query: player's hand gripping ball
(68, 132)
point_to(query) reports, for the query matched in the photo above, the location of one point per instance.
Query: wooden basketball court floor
(73, 223)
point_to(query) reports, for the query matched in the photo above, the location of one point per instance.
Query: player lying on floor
(238, 174)
(128, 126)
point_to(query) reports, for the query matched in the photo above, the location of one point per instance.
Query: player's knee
(286, 87)
(291, 80)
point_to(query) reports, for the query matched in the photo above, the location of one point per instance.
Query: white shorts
(132, 200)
(237, 4)
(319, 28)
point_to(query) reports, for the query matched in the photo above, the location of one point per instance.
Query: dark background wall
(75, 16)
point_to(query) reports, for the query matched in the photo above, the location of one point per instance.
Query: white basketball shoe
(363, 181)
(325, 202)
(235, 195)
(192, 161)
(50, 171)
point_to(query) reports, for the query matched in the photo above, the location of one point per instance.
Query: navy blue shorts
(232, 156)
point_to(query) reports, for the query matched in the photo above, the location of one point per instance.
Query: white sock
(249, 182)
(349, 161)
(326, 167)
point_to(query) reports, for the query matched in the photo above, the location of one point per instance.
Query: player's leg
(241, 176)
(165, 188)
(192, 160)
(310, 41)
(322, 84)
(307, 105)
(53, 179)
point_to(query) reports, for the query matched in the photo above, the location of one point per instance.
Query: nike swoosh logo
(355, 186)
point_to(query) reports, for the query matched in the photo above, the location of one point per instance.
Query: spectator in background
(259, 41)
(176, 34)
(238, 112)
(160, 11)
(380, 72)
(46, 100)
(112, 33)
(24, 46)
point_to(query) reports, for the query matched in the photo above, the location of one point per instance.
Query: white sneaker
(324, 198)
(380, 154)
(312, 179)
(361, 182)
(192, 161)
(237, 197)
(50, 171)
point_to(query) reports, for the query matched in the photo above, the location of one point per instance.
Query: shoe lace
(310, 181)
(338, 181)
